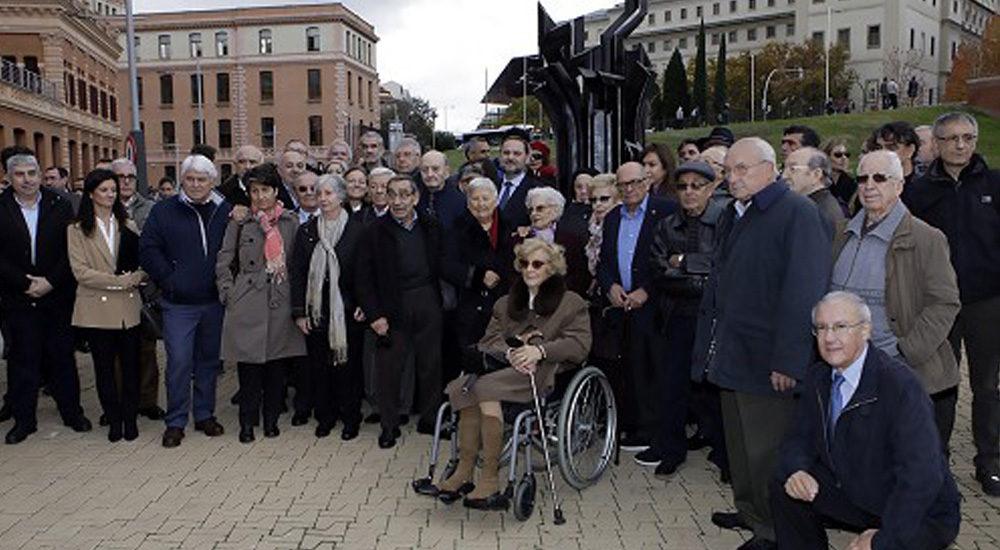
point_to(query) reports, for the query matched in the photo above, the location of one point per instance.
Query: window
(136, 47)
(770, 32)
(732, 6)
(733, 37)
(114, 108)
(684, 13)
(70, 87)
(790, 29)
(266, 87)
(819, 37)
(222, 87)
(913, 38)
(81, 92)
(267, 133)
(266, 42)
(652, 19)
(752, 34)
(715, 39)
(225, 133)
(699, 12)
(168, 133)
(844, 38)
(194, 40)
(166, 89)
(371, 96)
(170, 171)
(138, 90)
(350, 88)
(651, 47)
(361, 98)
(164, 46)
(315, 85)
(668, 16)
(683, 43)
(222, 44)
(104, 104)
(315, 130)
(874, 37)
(667, 44)
(753, 5)
(770, 3)
(197, 89)
(933, 44)
(716, 9)
(312, 39)
(94, 101)
(196, 132)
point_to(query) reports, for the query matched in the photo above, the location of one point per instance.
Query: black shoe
(323, 429)
(153, 413)
(349, 432)
(426, 428)
(131, 431)
(235, 399)
(496, 501)
(633, 444)
(115, 432)
(172, 437)
(299, 419)
(697, 442)
(373, 418)
(80, 424)
(649, 457)
(103, 420)
(18, 434)
(404, 419)
(246, 434)
(387, 439)
(271, 430)
(990, 483)
(210, 426)
(667, 467)
(449, 497)
(5, 413)
(729, 520)
(757, 543)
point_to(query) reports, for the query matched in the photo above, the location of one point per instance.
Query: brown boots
(487, 495)
(460, 483)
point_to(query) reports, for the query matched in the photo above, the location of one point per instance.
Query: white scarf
(324, 264)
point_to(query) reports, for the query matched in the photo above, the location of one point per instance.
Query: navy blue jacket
(179, 252)
(886, 456)
(446, 204)
(768, 270)
(607, 268)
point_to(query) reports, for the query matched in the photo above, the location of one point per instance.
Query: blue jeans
(192, 336)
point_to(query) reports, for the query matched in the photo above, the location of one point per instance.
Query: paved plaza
(63, 490)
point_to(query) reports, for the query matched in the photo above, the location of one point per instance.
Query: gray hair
(199, 163)
(467, 147)
(819, 161)
(373, 134)
(381, 171)
(250, 151)
(895, 168)
(343, 143)
(860, 307)
(409, 142)
(546, 195)
(483, 184)
(20, 160)
(765, 153)
(121, 163)
(335, 183)
(953, 117)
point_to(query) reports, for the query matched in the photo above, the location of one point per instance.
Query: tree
(721, 104)
(700, 90)
(975, 60)
(417, 117)
(674, 89)
(515, 114)
(444, 141)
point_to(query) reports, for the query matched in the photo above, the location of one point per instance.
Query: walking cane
(557, 512)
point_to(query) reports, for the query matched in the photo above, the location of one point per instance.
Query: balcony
(27, 80)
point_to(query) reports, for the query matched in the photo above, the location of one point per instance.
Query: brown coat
(921, 300)
(258, 327)
(562, 319)
(103, 300)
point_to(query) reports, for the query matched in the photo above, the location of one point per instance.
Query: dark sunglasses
(536, 264)
(537, 156)
(693, 186)
(876, 177)
(304, 189)
(595, 200)
(842, 154)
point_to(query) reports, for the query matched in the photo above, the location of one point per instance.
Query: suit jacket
(51, 259)
(885, 453)
(515, 211)
(103, 299)
(234, 193)
(608, 272)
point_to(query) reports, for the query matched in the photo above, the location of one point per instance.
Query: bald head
(633, 185)
(750, 164)
(434, 169)
(247, 157)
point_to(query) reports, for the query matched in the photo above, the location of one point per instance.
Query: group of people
(806, 318)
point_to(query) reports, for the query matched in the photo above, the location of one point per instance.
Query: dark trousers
(418, 331)
(265, 380)
(37, 336)
(707, 407)
(944, 415)
(149, 373)
(645, 348)
(754, 426)
(301, 379)
(675, 388)
(802, 525)
(110, 348)
(336, 389)
(976, 326)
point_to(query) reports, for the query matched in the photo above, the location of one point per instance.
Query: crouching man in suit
(864, 451)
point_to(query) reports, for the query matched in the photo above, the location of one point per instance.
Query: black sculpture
(596, 98)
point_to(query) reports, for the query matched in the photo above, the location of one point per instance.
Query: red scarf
(274, 244)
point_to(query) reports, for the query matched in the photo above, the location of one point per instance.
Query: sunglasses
(876, 177)
(536, 156)
(842, 154)
(693, 186)
(534, 264)
(595, 200)
(304, 189)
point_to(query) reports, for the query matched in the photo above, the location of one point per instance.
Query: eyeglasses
(126, 177)
(953, 140)
(741, 169)
(841, 155)
(534, 264)
(697, 186)
(305, 189)
(838, 329)
(877, 177)
(631, 183)
(595, 200)
(537, 156)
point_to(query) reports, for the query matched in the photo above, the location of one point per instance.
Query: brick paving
(63, 490)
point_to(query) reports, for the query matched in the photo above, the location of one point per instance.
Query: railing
(21, 77)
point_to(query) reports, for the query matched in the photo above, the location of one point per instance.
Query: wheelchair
(580, 418)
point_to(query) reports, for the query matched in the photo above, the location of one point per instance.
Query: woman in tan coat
(104, 256)
(554, 327)
(258, 332)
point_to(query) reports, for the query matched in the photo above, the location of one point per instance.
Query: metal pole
(753, 78)
(524, 98)
(827, 46)
(201, 102)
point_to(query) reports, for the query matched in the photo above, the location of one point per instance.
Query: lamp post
(767, 83)
(753, 101)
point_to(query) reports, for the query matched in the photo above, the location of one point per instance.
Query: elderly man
(137, 206)
(234, 189)
(516, 180)
(960, 195)
(681, 260)
(715, 157)
(807, 172)
(862, 451)
(407, 158)
(400, 294)
(753, 324)
(796, 137)
(625, 277)
(305, 190)
(438, 197)
(178, 249)
(378, 182)
(372, 151)
(340, 151)
(57, 179)
(290, 167)
(927, 151)
(477, 148)
(37, 291)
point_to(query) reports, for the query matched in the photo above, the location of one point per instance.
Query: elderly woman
(356, 180)
(252, 275)
(545, 209)
(336, 167)
(478, 260)
(603, 198)
(323, 306)
(553, 325)
(104, 257)
(578, 211)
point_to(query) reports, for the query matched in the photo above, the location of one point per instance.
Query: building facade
(259, 76)
(895, 38)
(58, 80)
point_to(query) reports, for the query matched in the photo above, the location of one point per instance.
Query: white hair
(121, 163)
(199, 163)
(342, 143)
(482, 184)
(20, 160)
(408, 142)
(895, 166)
(381, 171)
(765, 152)
(860, 307)
(334, 182)
(546, 195)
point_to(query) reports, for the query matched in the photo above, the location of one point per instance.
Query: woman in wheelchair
(535, 329)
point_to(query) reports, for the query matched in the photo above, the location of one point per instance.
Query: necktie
(836, 404)
(505, 194)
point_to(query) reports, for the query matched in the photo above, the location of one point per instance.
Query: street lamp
(767, 83)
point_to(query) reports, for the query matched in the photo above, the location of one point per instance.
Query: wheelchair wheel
(587, 428)
(524, 497)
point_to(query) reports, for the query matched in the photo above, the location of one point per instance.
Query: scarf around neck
(324, 265)
(274, 244)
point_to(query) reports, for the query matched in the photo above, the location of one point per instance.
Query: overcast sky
(438, 49)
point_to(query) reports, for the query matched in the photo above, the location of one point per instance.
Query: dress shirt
(306, 216)
(509, 187)
(108, 232)
(852, 376)
(628, 239)
(30, 214)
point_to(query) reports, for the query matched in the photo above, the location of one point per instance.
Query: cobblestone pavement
(63, 490)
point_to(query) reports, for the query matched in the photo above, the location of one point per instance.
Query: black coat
(234, 193)
(467, 257)
(515, 211)
(346, 250)
(51, 253)
(377, 287)
(770, 267)
(885, 454)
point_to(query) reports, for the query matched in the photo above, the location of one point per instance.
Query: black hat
(720, 136)
(695, 167)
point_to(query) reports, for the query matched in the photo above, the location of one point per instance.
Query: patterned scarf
(324, 265)
(274, 244)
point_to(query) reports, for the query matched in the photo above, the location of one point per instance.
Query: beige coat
(258, 326)
(565, 336)
(103, 300)
(921, 300)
